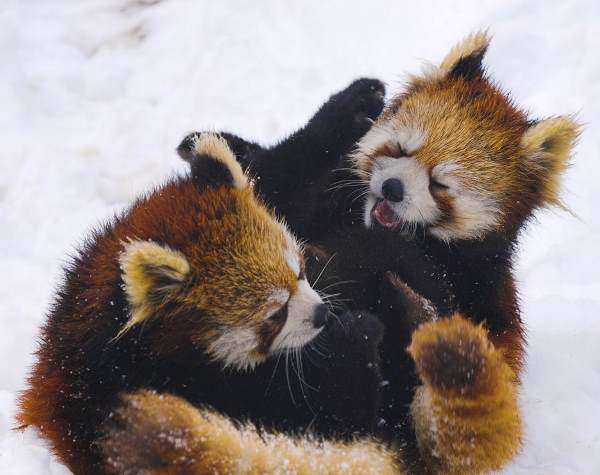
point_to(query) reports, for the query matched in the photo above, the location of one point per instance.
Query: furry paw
(465, 416)
(453, 354)
(349, 114)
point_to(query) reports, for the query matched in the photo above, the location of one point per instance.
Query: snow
(96, 95)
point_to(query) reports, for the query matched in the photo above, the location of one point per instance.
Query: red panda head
(454, 155)
(210, 267)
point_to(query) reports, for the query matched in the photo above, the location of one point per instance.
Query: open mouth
(385, 215)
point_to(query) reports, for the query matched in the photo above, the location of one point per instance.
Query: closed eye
(399, 152)
(392, 150)
(280, 314)
(437, 185)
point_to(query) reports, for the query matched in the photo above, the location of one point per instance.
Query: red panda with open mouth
(453, 156)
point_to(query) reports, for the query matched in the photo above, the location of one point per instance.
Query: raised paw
(349, 114)
(453, 354)
(465, 414)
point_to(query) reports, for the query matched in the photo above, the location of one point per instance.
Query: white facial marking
(370, 202)
(235, 347)
(473, 211)
(447, 174)
(293, 260)
(409, 138)
(299, 328)
(474, 214)
(379, 134)
(417, 206)
(279, 295)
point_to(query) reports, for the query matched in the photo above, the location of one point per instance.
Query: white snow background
(96, 94)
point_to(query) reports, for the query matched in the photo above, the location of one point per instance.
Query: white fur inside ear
(551, 136)
(216, 147)
(547, 147)
(149, 269)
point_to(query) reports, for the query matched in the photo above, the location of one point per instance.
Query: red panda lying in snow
(172, 308)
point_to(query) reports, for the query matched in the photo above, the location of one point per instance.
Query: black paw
(355, 328)
(402, 308)
(349, 114)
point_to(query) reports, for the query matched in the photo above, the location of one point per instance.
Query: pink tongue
(385, 215)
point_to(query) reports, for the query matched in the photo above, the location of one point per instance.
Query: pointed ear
(151, 273)
(547, 146)
(213, 163)
(464, 60)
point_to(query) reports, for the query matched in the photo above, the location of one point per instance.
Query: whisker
(273, 374)
(323, 270)
(341, 282)
(287, 375)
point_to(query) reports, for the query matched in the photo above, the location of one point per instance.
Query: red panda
(453, 156)
(452, 167)
(197, 278)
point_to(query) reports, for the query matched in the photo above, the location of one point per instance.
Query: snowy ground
(96, 94)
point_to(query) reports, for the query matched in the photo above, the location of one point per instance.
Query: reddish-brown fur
(235, 251)
(503, 168)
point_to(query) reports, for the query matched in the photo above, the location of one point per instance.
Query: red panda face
(274, 309)
(227, 278)
(454, 156)
(435, 163)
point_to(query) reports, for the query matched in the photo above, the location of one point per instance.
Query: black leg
(293, 175)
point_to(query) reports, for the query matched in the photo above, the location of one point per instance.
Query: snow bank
(95, 96)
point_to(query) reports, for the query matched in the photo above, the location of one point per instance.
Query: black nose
(392, 189)
(321, 316)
